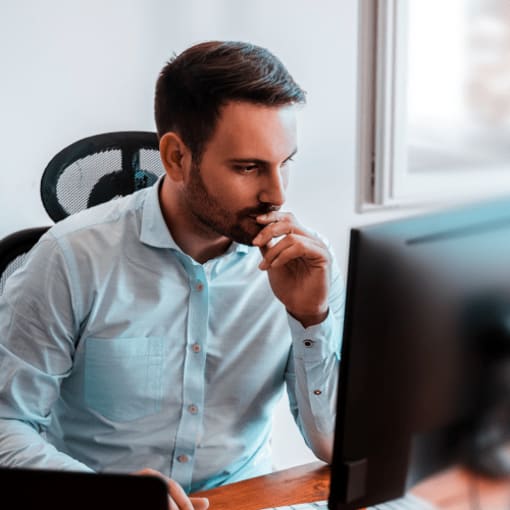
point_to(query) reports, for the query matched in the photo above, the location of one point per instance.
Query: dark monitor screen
(425, 363)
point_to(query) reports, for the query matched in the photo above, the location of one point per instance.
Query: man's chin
(245, 238)
(245, 235)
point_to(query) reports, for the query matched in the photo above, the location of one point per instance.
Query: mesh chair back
(13, 251)
(98, 168)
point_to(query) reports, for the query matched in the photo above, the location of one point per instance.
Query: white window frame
(383, 179)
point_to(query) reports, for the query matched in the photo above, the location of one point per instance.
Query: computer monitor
(425, 363)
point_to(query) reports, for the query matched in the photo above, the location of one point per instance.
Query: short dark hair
(193, 86)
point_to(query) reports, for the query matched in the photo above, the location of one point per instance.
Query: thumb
(200, 503)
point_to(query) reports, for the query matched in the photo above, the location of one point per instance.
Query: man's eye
(245, 168)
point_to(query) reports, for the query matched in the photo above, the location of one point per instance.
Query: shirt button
(199, 286)
(196, 347)
(317, 392)
(193, 409)
(183, 459)
(308, 342)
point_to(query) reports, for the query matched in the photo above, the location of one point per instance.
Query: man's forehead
(249, 129)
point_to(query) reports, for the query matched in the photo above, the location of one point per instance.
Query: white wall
(71, 69)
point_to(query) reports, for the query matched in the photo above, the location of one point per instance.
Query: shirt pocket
(123, 376)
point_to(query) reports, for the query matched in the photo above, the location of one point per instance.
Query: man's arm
(305, 277)
(22, 446)
(312, 376)
(36, 350)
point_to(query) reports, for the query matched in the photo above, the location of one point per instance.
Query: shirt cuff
(316, 342)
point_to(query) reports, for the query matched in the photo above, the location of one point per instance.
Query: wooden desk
(454, 489)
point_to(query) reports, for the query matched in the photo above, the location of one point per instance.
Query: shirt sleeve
(36, 351)
(312, 372)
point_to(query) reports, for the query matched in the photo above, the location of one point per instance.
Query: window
(434, 100)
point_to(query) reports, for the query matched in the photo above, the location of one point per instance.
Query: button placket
(190, 424)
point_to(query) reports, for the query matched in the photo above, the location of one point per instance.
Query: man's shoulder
(108, 216)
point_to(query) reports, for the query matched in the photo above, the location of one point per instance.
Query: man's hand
(177, 498)
(298, 266)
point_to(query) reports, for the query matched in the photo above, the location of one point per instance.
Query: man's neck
(193, 239)
(200, 249)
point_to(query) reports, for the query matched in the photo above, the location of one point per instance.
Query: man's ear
(174, 155)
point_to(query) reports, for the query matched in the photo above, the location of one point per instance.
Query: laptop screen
(26, 489)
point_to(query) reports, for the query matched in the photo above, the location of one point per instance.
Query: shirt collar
(154, 230)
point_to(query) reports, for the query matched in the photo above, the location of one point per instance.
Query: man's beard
(240, 226)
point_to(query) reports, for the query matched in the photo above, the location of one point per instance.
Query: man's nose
(274, 186)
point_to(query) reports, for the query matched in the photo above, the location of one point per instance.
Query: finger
(277, 229)
(293, 247)
(152, 472)
(180, 497)
(286, 255)
(200, 503)
(273, 216)
(277, 217)
(178, 500)
(272, 231)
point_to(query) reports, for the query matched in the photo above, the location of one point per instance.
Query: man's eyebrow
(247, 160)
(257, 160)
(292, 154)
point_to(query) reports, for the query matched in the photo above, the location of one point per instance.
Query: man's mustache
(261, 209)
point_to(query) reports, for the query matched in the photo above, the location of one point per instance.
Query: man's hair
(193, 86)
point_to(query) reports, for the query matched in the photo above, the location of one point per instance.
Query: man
(156, 332)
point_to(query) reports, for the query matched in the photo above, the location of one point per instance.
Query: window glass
(458, 85)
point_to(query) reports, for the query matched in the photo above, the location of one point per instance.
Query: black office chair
(14, 248)
(86, 173)
(99, 168)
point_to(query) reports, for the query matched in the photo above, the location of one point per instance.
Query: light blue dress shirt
(118, 351)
